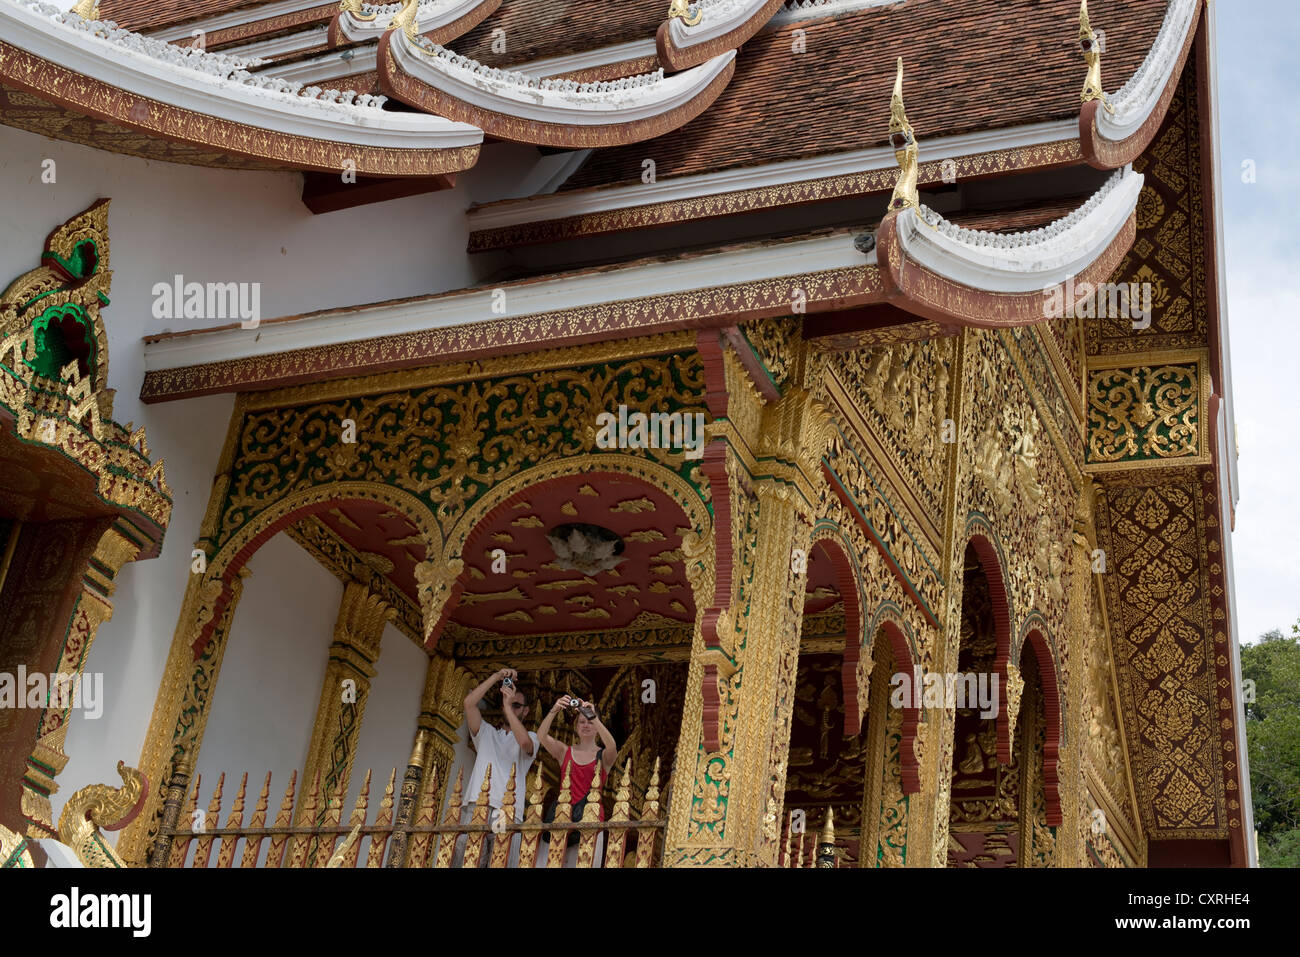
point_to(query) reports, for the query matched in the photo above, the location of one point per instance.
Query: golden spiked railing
(308, 831)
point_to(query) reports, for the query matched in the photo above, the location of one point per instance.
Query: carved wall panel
(1168, 250)
(1160, 533)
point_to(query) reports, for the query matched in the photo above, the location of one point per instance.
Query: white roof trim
(211, 86)
(261, 11)
(328, 66)
(582, 202)
(796, 258)
(431, 15)
(547, 101)
(1027, 261)
(1137, 98)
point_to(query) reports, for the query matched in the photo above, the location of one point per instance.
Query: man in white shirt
(498, 748)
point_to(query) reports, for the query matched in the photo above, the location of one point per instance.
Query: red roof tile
(970, 65)
(145, 15)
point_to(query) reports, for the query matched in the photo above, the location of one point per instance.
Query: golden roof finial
(1091, 47)
(903, 140)
(681, 8)
(354, 7)
(86, 9)
(405, 19)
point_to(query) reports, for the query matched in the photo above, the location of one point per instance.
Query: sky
(1259, 120)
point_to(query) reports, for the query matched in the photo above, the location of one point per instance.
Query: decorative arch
(858, 640)
(888, 621)
(980, 537)
(443, 583)
(244, 542)
(1034, 634)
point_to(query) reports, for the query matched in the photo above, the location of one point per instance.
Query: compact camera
(508, 682)
(587, 711)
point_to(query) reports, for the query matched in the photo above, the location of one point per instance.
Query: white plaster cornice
(582, 202)
(1026, 261)
(529, 297)
(328, 66)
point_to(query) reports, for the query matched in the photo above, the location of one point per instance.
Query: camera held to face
(575, 708)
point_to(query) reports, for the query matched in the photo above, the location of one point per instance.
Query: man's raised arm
(472, 716)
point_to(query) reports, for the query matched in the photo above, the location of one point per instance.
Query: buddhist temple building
(835, 393)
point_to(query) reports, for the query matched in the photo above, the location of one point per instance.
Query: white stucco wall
(221, 226)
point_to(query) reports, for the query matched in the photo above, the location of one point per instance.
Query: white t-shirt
(499, 748)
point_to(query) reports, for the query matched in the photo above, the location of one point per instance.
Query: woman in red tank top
(588, 760)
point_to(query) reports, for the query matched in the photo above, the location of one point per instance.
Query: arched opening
(578, 581)
(891, 772)
(1037, 837)
(826, 754)
(984, 798)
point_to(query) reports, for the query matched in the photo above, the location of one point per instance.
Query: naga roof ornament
(903, 139)
(682, 9)
(1091, 47)
(355, 7)
(406, 18)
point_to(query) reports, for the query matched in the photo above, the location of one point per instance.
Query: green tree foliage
(1273, 740)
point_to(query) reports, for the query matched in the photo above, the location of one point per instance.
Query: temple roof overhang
(983, 279)
(980, 113)
(89, 82)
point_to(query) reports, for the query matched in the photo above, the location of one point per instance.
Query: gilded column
(358, 633)
(763, 464)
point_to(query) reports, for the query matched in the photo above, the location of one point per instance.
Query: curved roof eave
(1114, 132)
(723, 25)
(513, 106)
(191, 99)
(982, 279)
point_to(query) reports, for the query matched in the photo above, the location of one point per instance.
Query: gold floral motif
(1146, 413)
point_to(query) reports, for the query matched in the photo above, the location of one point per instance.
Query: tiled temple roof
(151, 14)
(966, 71)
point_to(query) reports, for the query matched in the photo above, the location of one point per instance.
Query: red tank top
(580, 776)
